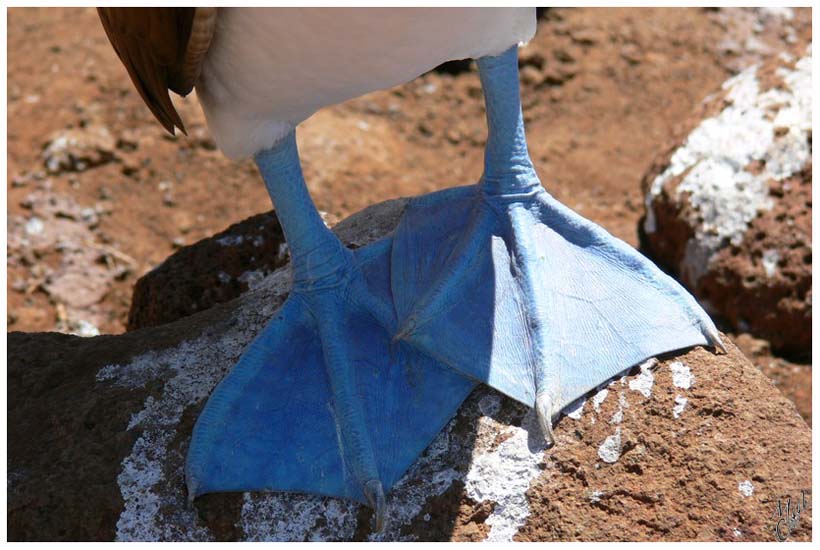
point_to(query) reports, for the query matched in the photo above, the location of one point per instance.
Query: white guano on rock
(771, 126)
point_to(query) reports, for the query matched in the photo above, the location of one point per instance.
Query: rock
(632, 53)
(556, 73)
(791, 378)
(691, 459)
(81, 287)
(99, 428)
(531, 76)
(728, 206)
(585, 36)
(209, 272)
(78, 149)
(752, 34)
(529, 56)
(74, 267)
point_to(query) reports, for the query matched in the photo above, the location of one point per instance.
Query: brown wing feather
(151, 44)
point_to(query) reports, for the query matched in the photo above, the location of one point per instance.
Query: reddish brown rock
(695, 447)
(712, 473)
(729, 204)
(791, 378)
(78, 149)
(61, 251)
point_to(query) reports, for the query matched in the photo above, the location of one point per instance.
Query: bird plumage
(264, 71)
(162, 49)
(268, 70)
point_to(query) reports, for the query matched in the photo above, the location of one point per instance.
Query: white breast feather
(270, 69)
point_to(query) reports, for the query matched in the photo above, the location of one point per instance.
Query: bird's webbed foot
(323, 401)
(505, 284)
(518, 291)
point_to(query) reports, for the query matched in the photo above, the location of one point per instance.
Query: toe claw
(543, 409)
(714, 337)
(375, 497)
(192, 488)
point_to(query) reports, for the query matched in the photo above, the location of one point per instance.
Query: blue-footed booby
(375, 349)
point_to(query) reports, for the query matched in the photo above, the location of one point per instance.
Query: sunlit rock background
(685, 132)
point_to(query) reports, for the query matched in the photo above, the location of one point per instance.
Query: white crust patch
(504, 475)
(771, 126)
(610, 450)
(682, 376)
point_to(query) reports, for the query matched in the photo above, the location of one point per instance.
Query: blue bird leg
(317, 255)
(322, 401)
(510, 182)
(506, 285)
(508, 170)
(322, 270)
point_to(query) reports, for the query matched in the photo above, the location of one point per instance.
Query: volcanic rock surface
(78, 149)
(209, 272)
(729, 205)
(66, 258)
(601, 88)
(695, 446)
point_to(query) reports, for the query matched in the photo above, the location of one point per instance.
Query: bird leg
(503, 283)
(322, 401)
(326, 279)
(376, 348)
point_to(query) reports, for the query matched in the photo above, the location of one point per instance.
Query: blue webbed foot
(322, 401)
(517, 291)
(505, 284)
(375, 349)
